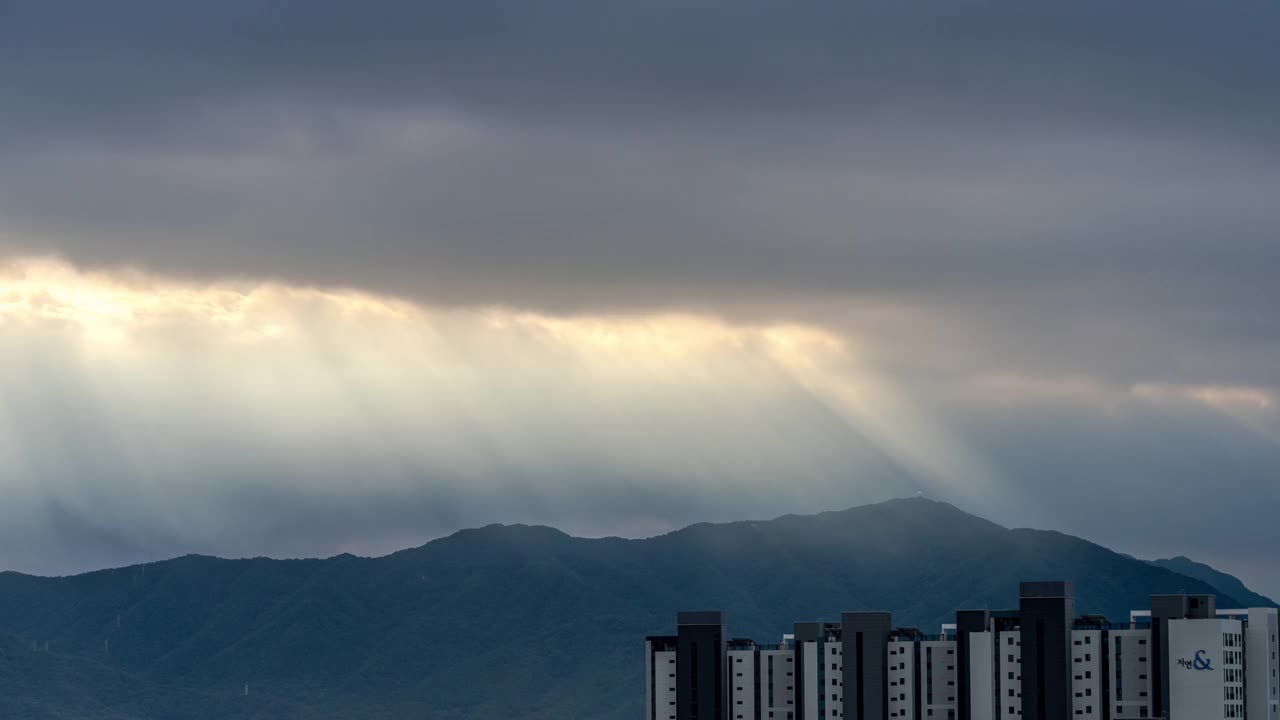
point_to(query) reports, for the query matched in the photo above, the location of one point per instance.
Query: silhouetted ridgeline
(511, 621)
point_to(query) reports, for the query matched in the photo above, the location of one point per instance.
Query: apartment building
(1183, 659)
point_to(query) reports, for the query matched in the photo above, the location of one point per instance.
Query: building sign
(1199, 662)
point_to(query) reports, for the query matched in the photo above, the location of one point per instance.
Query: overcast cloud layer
(292, 278)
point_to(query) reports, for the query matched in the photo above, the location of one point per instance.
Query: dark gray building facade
(1047, 611)
(701, 688)
(864, 638)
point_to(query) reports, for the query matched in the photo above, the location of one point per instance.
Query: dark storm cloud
(832, 147)
(578, 61)
(1069, 202)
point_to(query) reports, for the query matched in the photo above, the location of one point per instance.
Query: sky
(301, 278)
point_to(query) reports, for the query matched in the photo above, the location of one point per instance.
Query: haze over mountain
(301, 278)
(547, 624)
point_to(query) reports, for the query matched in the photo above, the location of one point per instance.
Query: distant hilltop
(510, 608)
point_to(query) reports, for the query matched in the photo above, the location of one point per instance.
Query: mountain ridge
(1228, 584)
(549, 620)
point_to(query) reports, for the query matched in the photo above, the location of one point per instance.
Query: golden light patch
(111, 306)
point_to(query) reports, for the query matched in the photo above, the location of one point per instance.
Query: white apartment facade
(1183, 660)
